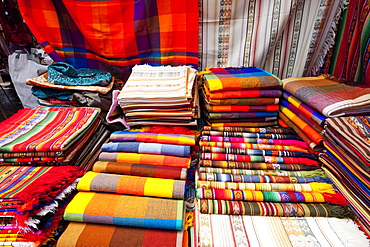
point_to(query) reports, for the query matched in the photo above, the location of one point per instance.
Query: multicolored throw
(127, 210)
(176, 139)
(45, 128)
(32, 197)
(87, 35)
(146, 159)
(256, 165)
(140, 170)
(234, 79)
(147, 148)
(224, 146)
(330, 96)
(267, 130)
(286, 209)
(271, 196)
(241, 108)
(132, 185)
(226, 230)
(88, 234)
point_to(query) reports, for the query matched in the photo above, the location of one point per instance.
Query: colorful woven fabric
(137, 211)
(270, 196)
(226, 230)
(312, 173)
(254, 120)
(88, 234)
(146, 159)
(241, 145)
(286, 209)
(132, 185)
(230, 79)
(176, 139)
(241, 108)
(247, 124)
(249, 135)
(257, 158)
(329, 96)
(310, 143)
(154, 32)
(265, 93)
(140, 170)
(253, 140)
(350, 58)
(255, 165)
(305, 109)
(45, 129)
(305, 127)
(240, 115)
(243, 101)
(268, 130)
(260, 178)
(258, 152)
(283, 187)
(147, 148)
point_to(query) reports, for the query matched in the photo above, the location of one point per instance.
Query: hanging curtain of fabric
(114, 35)
(350, 56)
(288, 38)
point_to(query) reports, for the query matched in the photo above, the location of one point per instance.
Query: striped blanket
(132, 185)
(45, 128)
(140, 170)
(234, 79)
(286, 209)
(87, 34)
(89, 234)
(127, 210)
(329, 96)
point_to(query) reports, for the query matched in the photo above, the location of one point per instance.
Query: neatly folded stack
(161, 95)
(247, 174)
(347, 160)
(138, 186)
(308, 101)
(245, 96)
(33, 200)
(51, 135)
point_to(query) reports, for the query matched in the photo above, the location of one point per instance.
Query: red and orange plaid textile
(115, 35)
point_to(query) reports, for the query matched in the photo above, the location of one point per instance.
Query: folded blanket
(250, 101)
(305, 109)
(223, 79)
(238, 115)
(140, 170)
(258, 158)
(132, 185)
(329, 96)
(286, 209)
(252, 93)
(283, 187)
(267, 130)
(45, 128)
(270, 196)
(147, 148)
(176, 139)
(241, 108)
(266, 123)
(146, 159)
(89, 234)
(260, 178)
(126, 210)
(256, 165)
(249, 135)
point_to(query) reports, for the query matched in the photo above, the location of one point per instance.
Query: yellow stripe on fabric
(85, 182)
(79, 203)
(71, 234)
(159, 187)
(215, 84)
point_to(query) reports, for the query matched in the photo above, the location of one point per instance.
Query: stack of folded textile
(161, 95)
(138, 187)
(33, 199)
(58, 86)
(52, 135)
(347, 159)
(308, 101)
(246, 174)
(245, 96)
